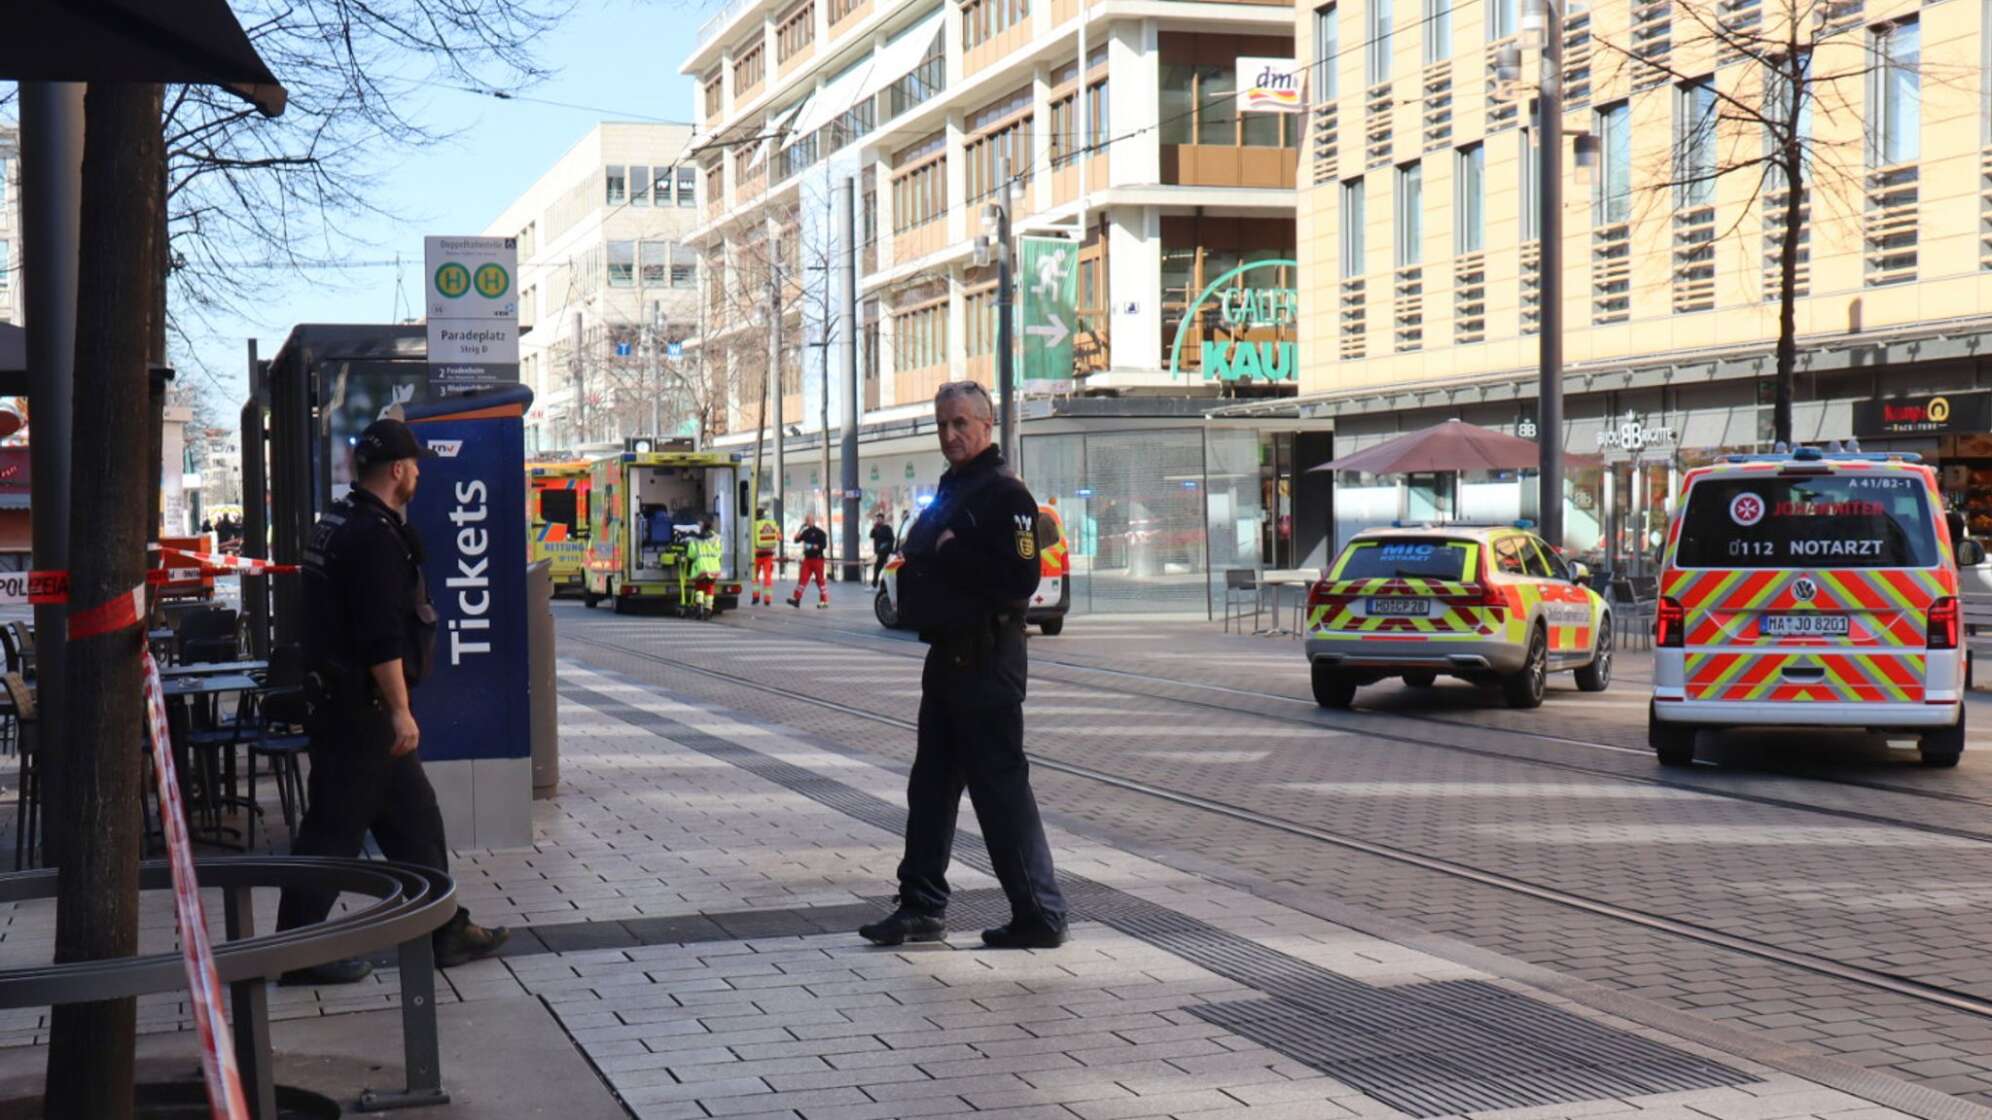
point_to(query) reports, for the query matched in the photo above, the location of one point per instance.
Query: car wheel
(620, 604)
(883, 610)
(1943, 747)
(1597, 676)
(1524, 689)
(1052, 627)
(1332, 689)
(1424, 678)
(589, 599)
(1673, 743)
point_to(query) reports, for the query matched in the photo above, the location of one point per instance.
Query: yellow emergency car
(557, 520)
(1810, 589)
(1490, 605)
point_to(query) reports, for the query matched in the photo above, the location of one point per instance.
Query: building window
(979, 323)
(6, 266)
(1002, 134)
(1694, 142)
(639, 186)
(1376, 55)
(919, 194)
(920, 337)
(715, 91)
(6, 167)
(618, 185)
(1438, 30)
(688, 181)
(654, 261)
(748, 70)
(1327, 44)
(1614, 192)
(622, 264)
(1777, 105)
(1410, 215)
(983, 20)
(684, 267)
(715, 183)
(1470, 205)
(1352, 228)
(1501, 19)
(1200, 106)
(1895, 95)
(796, 31)
(528, 240)
(1526, 177)
(841, 8)
(1100, 119)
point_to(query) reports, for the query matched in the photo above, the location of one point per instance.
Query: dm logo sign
(1242, 307)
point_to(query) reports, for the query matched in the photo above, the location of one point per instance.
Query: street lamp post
(1549, 140)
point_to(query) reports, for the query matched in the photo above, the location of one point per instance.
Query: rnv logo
(446, 448)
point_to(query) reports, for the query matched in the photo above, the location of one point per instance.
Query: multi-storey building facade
(1118, 123)
(608, 290)
(1418, 227)
(10, 227)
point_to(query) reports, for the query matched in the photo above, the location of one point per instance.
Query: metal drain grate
(1433, 1049)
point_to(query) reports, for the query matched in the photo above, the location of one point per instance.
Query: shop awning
(833, 100)
(898, 58)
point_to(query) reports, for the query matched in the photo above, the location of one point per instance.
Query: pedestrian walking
(883, 539)
(707, 552)
(767, 540)
(814, 544)
(971, 562)
(370, 638)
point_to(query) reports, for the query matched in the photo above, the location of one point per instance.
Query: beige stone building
(608, 289)
(10, 227)
(1421, 295)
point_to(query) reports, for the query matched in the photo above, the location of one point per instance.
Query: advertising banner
(1268, 85)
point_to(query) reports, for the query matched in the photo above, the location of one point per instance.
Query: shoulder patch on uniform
(1026, 545)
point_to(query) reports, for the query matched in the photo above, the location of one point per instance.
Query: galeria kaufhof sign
(1230, 305)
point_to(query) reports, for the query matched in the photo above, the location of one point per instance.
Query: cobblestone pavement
(1850, 855)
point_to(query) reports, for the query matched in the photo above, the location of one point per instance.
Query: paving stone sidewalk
(819, 1026)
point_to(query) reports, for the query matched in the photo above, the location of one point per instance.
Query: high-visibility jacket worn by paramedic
(706, 554)
(767, 537)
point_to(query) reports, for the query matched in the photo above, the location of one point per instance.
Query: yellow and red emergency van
(1493, 605)
(557, 520)
(644, 511)
(1810, 589)
(1049, 603)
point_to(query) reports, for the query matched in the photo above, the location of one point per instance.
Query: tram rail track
(1873, 979)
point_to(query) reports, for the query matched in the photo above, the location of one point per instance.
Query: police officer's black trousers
(358, 785)
(972, 735)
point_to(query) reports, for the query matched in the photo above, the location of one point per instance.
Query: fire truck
(644, 508)
(557, 520)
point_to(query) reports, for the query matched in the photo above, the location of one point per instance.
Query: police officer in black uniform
(971, 565)
(369, 638)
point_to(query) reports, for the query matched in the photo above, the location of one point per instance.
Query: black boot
(1025, 933)
(904, 925)
(462, 941)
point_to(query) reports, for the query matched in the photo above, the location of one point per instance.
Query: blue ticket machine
(473, 710)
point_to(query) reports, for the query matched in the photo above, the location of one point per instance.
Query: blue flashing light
(1084, 492)
(1189, 484)
(1524, 523)
(924, 500)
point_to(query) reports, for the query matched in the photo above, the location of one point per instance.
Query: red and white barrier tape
(224, 562)
(226, 1100)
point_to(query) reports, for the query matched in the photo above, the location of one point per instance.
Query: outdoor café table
(211, 669)
(180, 692)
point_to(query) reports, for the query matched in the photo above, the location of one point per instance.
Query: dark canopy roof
(186, 41)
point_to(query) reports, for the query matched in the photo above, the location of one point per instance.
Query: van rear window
(1866, 520)
(1402, 558)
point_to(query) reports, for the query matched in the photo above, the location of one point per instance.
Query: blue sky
(619, 58)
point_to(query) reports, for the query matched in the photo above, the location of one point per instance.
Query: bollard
(544, 702)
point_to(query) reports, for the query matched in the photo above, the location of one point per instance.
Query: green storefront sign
(1243, 307)
(1047, 311)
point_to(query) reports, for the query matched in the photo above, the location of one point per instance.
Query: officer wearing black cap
(971, 565)
(369, 638)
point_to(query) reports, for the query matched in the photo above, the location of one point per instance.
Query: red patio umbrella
(1452, 446)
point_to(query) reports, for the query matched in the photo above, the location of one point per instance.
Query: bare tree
(246, 194)
(1749, 81)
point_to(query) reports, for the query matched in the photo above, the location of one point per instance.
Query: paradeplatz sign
(472, 301)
